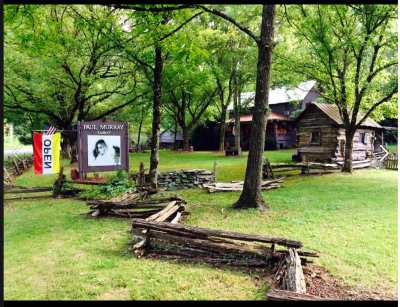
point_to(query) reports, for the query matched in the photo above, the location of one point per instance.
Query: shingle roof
(279, 95)
(332, 111)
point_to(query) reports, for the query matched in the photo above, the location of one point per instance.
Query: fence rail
(391, 161)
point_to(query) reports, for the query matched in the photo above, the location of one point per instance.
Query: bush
(270, 143)
(287, 146)
(116, 186)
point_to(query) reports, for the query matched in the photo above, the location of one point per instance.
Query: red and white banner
(46, 153)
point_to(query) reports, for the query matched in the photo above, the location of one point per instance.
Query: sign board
(102, 146)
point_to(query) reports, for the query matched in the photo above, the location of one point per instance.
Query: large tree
(58, 62)
(231, 56)
(251, 195)
(351, 50)
(155, 25)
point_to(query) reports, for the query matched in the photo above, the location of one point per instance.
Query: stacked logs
(133, 205)
(168, 240)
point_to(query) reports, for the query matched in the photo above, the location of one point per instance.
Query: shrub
(116, 186)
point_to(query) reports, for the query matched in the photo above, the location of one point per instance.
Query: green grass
(51, 252)
(13, 144)
(392, 148)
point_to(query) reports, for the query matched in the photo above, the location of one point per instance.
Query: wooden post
(141, 174)
(270, 168)
(295, 278)
(8, 175)
(23, 164)
(215, 171)
(16, 166)
(60, 182)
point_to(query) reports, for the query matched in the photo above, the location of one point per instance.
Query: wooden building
(167, 140)
(320, 135)
(283, 101)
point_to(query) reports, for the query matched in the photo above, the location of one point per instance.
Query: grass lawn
(13, 144)
(51, 252)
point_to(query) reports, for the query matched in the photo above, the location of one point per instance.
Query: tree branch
(234, 22)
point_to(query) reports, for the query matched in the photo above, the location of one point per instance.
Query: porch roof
(273, 116)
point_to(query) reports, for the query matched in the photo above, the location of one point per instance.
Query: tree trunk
(175, 132)
(155, 139)
(251, 195)
(236, 102)
(73, 146)
(222, 129)
(185, 131)
(348, 153)
(66, 147)
(140, 130)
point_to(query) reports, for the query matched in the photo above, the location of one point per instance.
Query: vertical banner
(46, 153)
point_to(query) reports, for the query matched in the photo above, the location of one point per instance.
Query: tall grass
(51, 252)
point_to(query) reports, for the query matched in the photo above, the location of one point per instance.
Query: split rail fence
(391, 161)
(17, 166)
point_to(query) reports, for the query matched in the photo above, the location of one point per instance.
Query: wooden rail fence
(16, 168)
(391, 161)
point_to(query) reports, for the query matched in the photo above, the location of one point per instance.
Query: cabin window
(286, 112)
(361, 139)
(315, 138)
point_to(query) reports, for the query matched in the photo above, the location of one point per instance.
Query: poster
(104, 150)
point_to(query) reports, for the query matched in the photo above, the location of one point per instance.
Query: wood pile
(238, 186)
(155, 238)
(16, 167)
(133, 205)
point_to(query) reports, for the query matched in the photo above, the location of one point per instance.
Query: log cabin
(320, 135)
(283, 101)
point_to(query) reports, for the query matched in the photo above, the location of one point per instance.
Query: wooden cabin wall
(332, 136)
(317, 153)
(316, 120)
(361, 151)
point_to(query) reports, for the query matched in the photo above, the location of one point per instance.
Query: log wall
(332, 139)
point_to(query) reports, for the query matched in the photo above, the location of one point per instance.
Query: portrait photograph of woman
(104, 150)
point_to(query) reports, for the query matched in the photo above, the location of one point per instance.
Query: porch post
(275, 123)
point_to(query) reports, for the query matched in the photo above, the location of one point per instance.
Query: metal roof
(272, 116)
(279, 95)
(332, 111)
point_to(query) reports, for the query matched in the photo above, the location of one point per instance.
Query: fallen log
(172, 228)
(284, 295)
